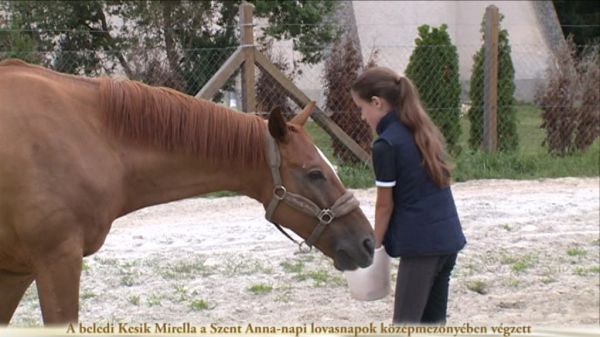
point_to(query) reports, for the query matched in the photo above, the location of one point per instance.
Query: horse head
(309, 198)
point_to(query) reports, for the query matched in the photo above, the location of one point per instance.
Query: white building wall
(391, 28)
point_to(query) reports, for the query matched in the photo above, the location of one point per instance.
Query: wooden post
(247, 44)
(220, 77)
(490, 79)
(317, 115)
(246, 57)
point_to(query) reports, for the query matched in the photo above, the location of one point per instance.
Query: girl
(415, 215)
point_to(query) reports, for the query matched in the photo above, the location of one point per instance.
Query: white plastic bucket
(371, 283)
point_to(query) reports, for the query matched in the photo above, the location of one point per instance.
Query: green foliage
(482, 165)
(13, 43)
(75, 30)
(433, 68)
(260, 288)
(506, 113)
(302, 22)
(576, 251)
(580, 19)
(18, 46)
(179, 44)
(356, 176)
(198, 305)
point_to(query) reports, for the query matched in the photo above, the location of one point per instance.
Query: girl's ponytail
(399, 92)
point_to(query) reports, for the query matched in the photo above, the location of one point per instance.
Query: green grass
(244, 266)
(154, 299)
(186, 269)
(478, 286)
(134, 299)
(530, 161)
(198, 305)
(128, 280)
(295, 266)
(524, 262)
(180, 294)
(576, 251)
(260, 288)
(87, 294)
(353, 176)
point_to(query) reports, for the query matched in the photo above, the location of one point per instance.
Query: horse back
(58, 169)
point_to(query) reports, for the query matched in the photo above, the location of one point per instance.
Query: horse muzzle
(352, 256)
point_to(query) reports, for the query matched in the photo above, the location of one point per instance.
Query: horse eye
(316, 175)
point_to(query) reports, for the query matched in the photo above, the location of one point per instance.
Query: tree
(176, 43)
(302, 21)
(16, 45)
(73, 34)
(506, 112)
(433, 68)
(580, 19)
(341, 70)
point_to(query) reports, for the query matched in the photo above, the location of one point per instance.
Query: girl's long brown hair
(400, 93)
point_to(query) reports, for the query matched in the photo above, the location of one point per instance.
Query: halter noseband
(342, 206)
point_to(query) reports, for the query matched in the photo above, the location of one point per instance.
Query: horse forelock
(175, 122)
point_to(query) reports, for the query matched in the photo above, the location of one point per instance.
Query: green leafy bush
(506, 113)
(433, 68)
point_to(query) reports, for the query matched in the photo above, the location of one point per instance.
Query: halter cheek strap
(342, 206)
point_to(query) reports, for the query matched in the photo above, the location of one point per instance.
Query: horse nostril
(369, 244)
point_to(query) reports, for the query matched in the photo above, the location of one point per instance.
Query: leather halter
(342, 206)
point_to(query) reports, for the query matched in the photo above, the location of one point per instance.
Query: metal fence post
(490, 79)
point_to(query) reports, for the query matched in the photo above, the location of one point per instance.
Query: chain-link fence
(547, 97)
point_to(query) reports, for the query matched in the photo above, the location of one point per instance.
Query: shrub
(341, 70)
(272, 94)
(570, 101)
(506, 112)
(433, 68)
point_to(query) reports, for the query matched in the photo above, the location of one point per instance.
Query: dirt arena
(532, 258)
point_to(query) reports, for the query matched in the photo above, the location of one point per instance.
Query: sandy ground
(532, 258)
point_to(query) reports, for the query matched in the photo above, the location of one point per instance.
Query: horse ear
(301, 118)
(277, 125)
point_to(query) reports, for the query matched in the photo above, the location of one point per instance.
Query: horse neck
(155, 177)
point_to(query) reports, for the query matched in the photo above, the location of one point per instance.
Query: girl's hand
(378, 242)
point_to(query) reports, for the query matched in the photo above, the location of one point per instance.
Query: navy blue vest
(424, 220)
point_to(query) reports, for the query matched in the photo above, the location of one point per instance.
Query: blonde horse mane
(166, 119)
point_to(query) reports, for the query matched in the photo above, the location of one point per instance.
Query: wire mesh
(561, 94)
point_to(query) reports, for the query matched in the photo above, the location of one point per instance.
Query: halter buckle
(279, 192)
(325, 216)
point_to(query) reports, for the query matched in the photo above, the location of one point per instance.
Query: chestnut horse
(76, 153)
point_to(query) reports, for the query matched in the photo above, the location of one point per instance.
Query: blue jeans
(422, 289)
